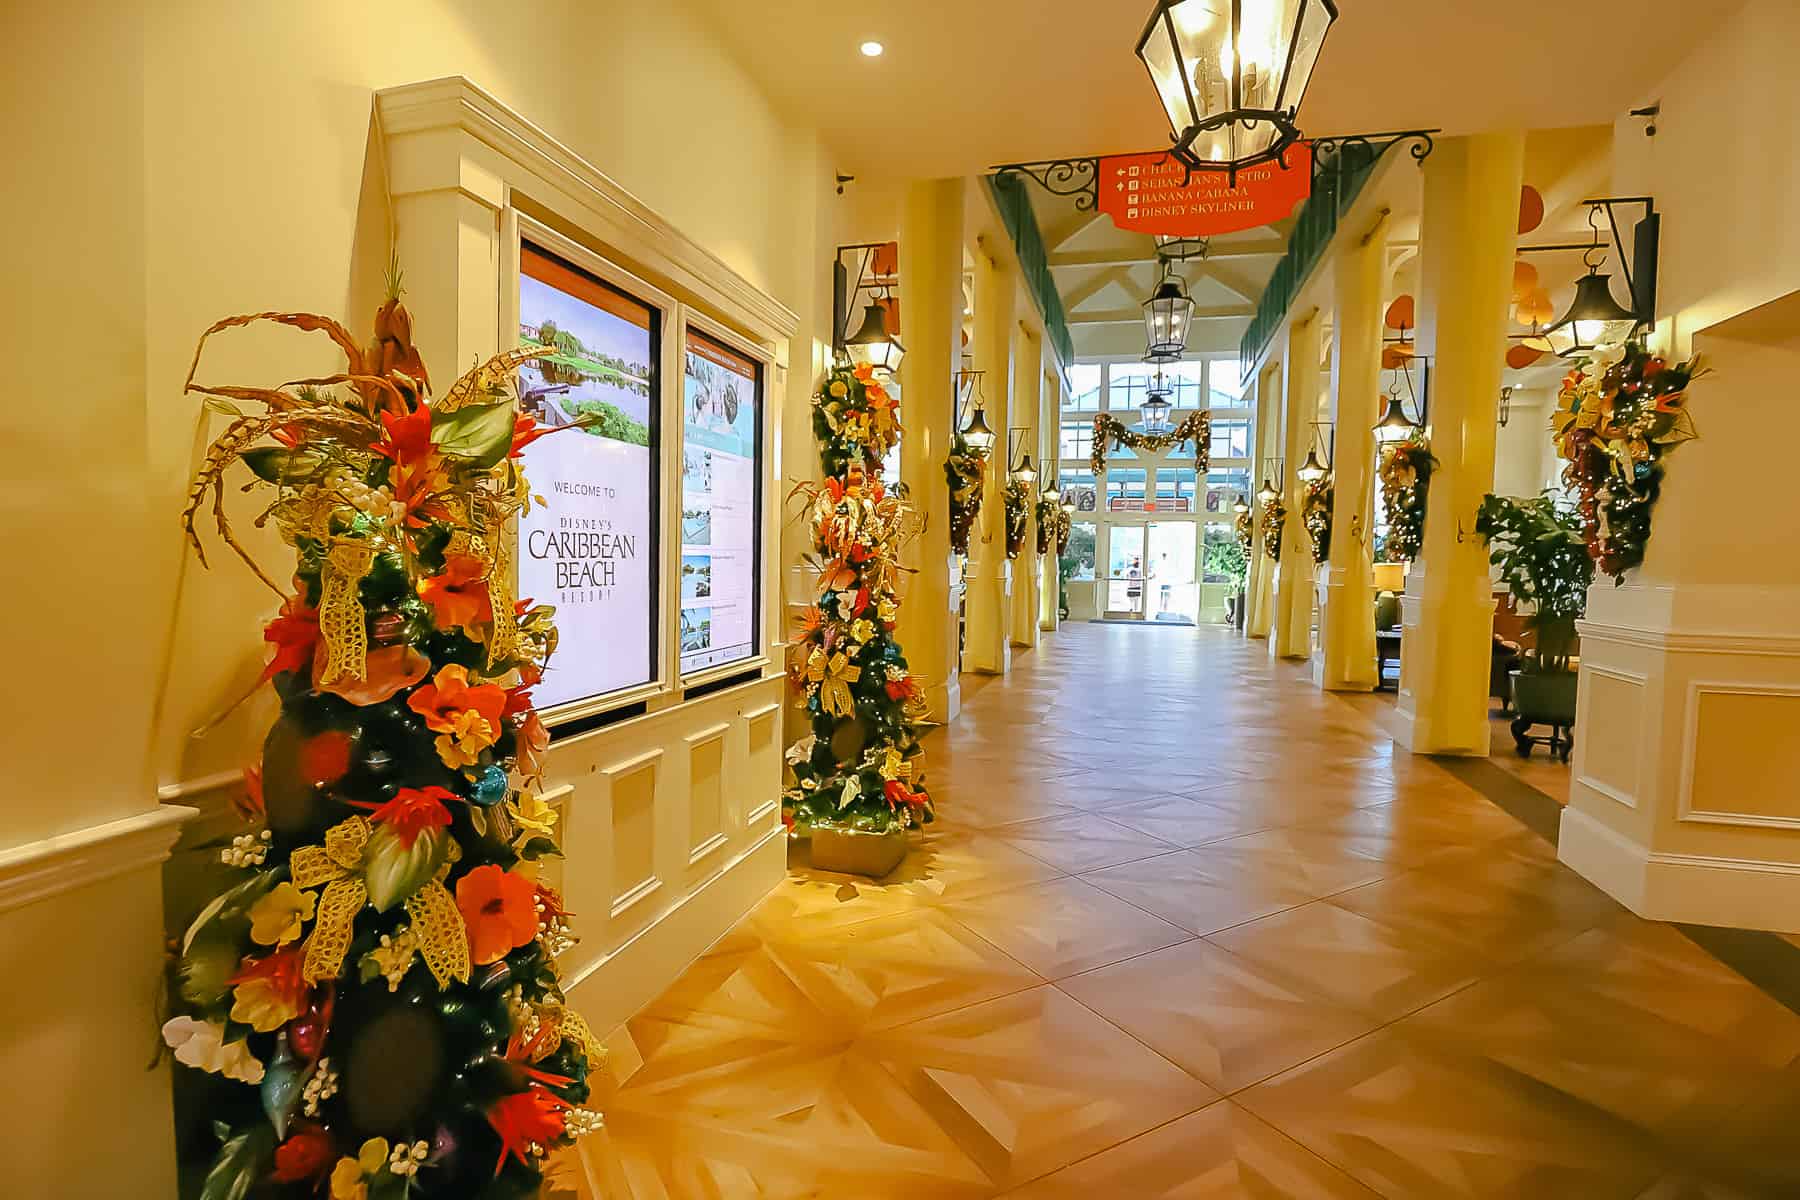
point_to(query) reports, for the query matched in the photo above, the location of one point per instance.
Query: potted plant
(1544, 562)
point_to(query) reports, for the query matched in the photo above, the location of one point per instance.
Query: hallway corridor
(1188, 928)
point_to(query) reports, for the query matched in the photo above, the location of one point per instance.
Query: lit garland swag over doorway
(1109, 432)
(858, 771)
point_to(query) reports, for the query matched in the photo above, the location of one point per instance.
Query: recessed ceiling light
(872, 49)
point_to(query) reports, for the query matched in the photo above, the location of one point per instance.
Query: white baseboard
(613, 988)
(1691, 888)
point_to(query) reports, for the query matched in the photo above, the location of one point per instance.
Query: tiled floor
(1188, 929)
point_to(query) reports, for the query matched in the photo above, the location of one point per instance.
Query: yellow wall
(264, 190)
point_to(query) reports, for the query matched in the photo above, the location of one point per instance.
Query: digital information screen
(720, 504)
(591, 550)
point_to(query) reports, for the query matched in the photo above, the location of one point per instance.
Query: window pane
(1125, 489)
(1186, 376)
(1225, 488)
(1077, 439)
(1129, 382)
(1079, 557)
(1231, 439)
(1224, 383)
(1084, 387)
(1078, 485)
(1222, 555)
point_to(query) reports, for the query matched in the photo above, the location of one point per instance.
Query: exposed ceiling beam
(1230, 280)
(1074, 229)
(1267, 248)
(1135, 316)
(1087, 289)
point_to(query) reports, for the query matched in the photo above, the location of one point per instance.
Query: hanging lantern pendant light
(1231, 75)
(872, 345)
(1594, 320)
(1167, 314)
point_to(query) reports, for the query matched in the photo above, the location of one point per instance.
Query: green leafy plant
(1544, 562)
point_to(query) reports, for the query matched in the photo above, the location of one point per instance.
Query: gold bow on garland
(1109, 430)
(339, 864)
(833, 673)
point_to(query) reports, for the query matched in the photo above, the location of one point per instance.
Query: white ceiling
(965, 84)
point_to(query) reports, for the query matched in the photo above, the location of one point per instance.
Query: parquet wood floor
(1189, 928)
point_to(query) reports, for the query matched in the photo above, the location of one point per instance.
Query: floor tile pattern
(1237, 949)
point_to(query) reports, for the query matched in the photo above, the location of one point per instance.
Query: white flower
(201, 1045)
(802, 750)
(852, 789)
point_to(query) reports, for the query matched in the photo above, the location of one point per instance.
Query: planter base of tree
(857, 851)
(1544, 699)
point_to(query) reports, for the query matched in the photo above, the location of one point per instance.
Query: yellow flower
(862, 630)
(373, 1156)
(532, 813)
(469, 735)
(347, 1181)
(276, 919)
(893, 764)
(838, 388)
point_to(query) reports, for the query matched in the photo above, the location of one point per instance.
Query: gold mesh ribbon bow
(471, 539)
(342, 622)
(833, 674)
(335, 865)
(438, 928)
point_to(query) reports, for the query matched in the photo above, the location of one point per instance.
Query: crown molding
(456, 103)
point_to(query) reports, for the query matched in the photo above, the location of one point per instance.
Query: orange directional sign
(1152, 193)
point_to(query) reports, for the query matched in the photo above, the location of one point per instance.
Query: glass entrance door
(1125, 572)
(1172, 591)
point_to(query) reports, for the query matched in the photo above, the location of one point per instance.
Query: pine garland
(1618, 416)
(1315, 514)
(1405, 470)
(1017, 497)
(964, 469)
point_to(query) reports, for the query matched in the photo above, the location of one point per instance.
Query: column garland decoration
(1245, 528)
(860, 767)
(1315, 514)
(1405, 471)
(379, 981)
(963, 469)
(1017, 498)
(1274, 515)
(1049, 523)
(1065, 525)
(1109, 431)
(1618, 416)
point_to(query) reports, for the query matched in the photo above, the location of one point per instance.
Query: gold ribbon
(470, 538)
(438, 928)
(342, 622)
(566, 1025)
(833, 675)
(335, 864)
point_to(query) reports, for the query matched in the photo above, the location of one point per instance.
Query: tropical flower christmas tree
(859, 768)
(380, 984)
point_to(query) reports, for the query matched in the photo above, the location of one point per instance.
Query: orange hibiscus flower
(458, 595)
(467, 718)
(500, 910)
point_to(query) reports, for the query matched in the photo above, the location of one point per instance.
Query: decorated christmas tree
(380, 983)
(859, 768)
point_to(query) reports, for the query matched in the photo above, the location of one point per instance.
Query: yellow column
(1346, 660)
(1028, 383)
(1049, 450)
(1465, 253)
(989, 575)
(1260, 617)
(1294, 574)
(931, 240)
